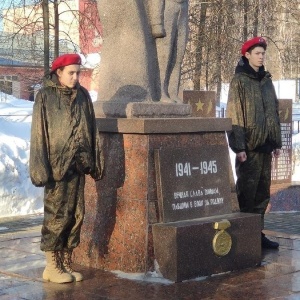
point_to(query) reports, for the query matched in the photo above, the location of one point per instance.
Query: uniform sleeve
(97, 173)
(39, 165)
(273, 120)
(99, 157)
(235, 111)
(278, 127)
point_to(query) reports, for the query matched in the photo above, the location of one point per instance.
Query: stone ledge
(184, 249)
(151, 109)
(163, 125)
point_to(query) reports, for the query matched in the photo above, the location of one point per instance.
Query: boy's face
(256, 57)
(69, 76)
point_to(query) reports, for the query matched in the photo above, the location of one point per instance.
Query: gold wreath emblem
(222, 241)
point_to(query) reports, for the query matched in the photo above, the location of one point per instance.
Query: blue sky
(4, 4)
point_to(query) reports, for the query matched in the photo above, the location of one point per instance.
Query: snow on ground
(17, 194)
(296, 157)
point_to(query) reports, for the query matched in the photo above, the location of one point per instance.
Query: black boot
(267, 244)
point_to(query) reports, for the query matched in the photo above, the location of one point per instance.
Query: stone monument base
(114, 109)
(123, 208)
(184, 250)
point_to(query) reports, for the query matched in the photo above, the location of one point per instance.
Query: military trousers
(253, 183)
(63, 213)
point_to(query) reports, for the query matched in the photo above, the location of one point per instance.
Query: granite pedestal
(122, 208)
(184, 249)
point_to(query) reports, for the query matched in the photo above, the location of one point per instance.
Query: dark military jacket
(253, 107)
(64, 135)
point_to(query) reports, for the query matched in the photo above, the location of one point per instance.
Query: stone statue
(128, 68)
(169, 25)
(143, 48)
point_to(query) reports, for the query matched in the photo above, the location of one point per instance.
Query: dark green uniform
(253, 108)
(65, 145)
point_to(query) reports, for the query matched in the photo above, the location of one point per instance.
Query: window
(6, 87)
(6, 84)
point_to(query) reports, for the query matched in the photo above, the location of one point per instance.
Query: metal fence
(16, 118)
(296, 124)
(296, 118)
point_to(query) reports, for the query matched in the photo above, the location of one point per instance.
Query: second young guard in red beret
(255, 135)
(65, 146)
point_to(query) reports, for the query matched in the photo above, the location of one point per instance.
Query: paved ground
(22, 263)
(288, 222)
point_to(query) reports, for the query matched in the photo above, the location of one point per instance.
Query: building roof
(25, 50)
(12, 62)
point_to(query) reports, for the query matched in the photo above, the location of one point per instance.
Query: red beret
(66, 60)
(255, 41)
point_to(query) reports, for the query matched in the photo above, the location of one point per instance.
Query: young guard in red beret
(65, 146)
(255, 135)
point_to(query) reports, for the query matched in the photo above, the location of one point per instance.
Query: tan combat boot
(54, 271)
(67, 261)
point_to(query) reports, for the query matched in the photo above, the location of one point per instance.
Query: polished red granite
(120, 208)
(184, 250)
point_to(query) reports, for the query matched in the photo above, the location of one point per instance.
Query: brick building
(21, 44)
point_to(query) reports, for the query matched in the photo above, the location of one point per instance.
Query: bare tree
(60, 21)
(37, 31)
(45, 6)
(218, 28)
(56, 28)
(199, 25)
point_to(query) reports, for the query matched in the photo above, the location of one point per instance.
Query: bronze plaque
(203, 103)
(192, 182)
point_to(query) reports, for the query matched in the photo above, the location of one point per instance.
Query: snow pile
(296, 157)
(17, 194)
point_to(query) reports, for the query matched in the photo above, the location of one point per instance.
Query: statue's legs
(182, 35)
(170, 49)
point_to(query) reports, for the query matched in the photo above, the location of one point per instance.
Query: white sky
(285, 89)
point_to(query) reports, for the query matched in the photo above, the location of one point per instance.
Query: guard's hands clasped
(241, 156)
(276, 152)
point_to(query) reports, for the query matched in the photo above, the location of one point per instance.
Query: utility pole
(56, 29)
(199, 45)
(245, 25)
(45, 6)
(298, 82)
